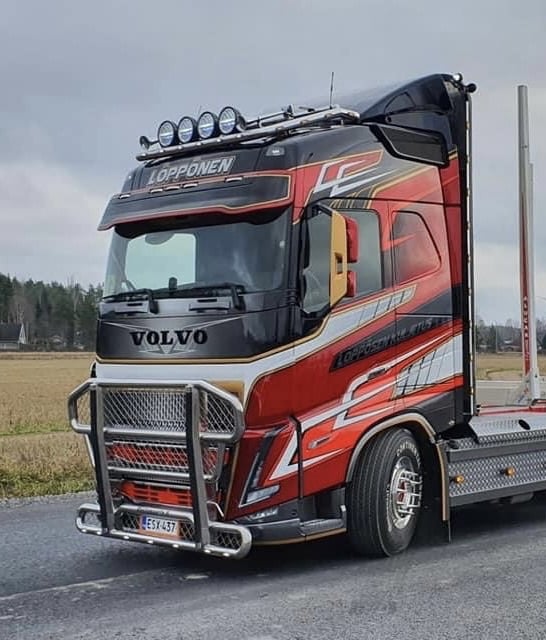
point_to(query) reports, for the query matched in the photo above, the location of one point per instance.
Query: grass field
(38, 452)
(503, 366)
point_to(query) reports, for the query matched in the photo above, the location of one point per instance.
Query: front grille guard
(202, 425)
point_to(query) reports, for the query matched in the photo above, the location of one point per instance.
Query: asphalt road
(59, 584)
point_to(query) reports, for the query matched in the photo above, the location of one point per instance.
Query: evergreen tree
(56, 316)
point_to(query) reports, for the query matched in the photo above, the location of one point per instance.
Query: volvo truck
(285, 346)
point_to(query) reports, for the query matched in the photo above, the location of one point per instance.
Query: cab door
(363, 361)
(429, 342)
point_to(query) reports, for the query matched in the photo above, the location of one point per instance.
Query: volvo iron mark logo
(168, 341)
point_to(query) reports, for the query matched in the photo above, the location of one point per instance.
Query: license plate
(159, 526)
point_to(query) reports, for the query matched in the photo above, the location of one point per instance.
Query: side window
(316, 271)
(369, 274)
(415, 253)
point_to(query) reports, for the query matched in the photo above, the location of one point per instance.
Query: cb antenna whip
(331, 89)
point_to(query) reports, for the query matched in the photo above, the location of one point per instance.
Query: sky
(81, 81)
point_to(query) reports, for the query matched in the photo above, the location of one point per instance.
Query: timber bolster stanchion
(168, 432)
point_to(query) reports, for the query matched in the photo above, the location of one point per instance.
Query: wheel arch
(434, 461)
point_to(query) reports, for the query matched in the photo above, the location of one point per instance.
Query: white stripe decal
(349, 400)
(442, 363)
(284, 467)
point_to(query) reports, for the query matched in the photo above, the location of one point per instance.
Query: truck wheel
(384, 496)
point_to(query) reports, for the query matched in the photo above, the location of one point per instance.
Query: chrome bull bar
(192, 416)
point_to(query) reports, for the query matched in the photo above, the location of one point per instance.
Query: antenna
(331, 89)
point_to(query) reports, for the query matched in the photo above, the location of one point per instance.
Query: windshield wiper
(204, 289)
(235, 289)
(135, 295)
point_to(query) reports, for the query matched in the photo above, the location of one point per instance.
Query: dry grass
(43, 464)
(34, 460)
(34, 389)
(45, 355)
(503, 366)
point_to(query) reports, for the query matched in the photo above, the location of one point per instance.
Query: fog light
(187, 130)
(230, 121)
(207, 125)
(166, 133)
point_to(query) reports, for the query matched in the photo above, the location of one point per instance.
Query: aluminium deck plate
(496, 476)
(509, 427)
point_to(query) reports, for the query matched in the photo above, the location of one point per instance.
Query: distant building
(12, 336)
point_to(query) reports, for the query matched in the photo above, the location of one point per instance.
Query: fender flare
(426, 428)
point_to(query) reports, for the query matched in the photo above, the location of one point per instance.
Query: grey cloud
(82, 81)
(50, 232)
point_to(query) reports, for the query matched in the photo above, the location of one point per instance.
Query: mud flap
(431, 529)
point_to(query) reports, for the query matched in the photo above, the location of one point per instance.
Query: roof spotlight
(230, 120)
(207, 125)
(166, 133)
(187, 129)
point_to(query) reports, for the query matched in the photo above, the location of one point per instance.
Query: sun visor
(231, 194)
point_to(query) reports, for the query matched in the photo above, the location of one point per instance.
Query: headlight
(207, 125)
(166, 133)
(187, 129)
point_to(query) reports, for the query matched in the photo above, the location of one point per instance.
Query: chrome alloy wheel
(405, 492)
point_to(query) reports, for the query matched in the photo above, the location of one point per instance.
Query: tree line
(64, 316)
(506, 336)
(55, 315)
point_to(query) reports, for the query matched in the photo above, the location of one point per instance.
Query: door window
(415, 253)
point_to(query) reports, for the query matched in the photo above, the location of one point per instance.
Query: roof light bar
(206, 130)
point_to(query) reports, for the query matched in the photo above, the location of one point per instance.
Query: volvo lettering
(169, 337)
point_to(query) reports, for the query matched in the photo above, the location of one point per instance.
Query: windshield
(177, 255)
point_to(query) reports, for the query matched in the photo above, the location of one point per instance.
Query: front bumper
(226, 540)
(159, 432)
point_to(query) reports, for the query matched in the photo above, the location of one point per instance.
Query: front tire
(384, 497)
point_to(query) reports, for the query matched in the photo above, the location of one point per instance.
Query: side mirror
(351, 284)
(429, 147)
(352, 240)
